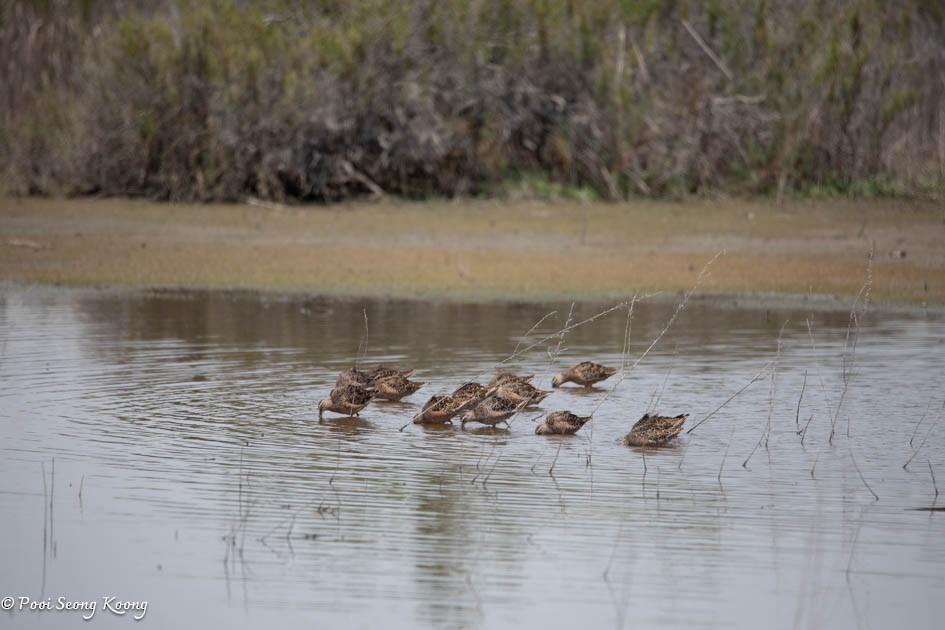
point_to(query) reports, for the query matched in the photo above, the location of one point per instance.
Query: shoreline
(778, 301)
(803, 253)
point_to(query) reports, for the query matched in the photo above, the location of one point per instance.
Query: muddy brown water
(166, 448)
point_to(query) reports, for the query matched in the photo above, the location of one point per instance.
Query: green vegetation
(329, 100)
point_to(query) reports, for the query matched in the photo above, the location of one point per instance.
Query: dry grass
(480, 250)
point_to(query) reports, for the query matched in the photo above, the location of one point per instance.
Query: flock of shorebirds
(491, 404)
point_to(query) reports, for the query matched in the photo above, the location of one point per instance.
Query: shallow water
(166, 447)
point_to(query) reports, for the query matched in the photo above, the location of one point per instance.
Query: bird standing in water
(585, 373)
(347, 399)
(561, 423)
(655, 430)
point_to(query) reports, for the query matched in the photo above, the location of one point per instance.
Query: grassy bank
(328, 101)
(481, 250)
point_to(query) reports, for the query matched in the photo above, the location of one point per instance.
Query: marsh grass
(281, 101)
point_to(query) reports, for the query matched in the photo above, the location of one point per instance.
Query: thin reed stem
(679, 308)
(569, 328)
(623, 357)
(862, 478)
(725, 454)
(754, 378)
(363, 344)
(816, 459)
(551, 471)
(804, 432)
(771, 394)
(932, 472)
(921, 420)
(797, 414)
(853, 329)
(921, 444)
(823, 387)
(527, 335)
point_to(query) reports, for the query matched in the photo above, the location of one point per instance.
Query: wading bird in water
(504, 376)
(655, 430)
(585, 374)
(561, 423)
(396, 387)
(520, 391)
(493, 410)
(347, 400)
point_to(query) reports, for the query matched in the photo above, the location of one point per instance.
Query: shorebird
(520, 391)
(396, 387)
(654, 430)
(352, 375)
(471, 391)
(442, 409)
(382, 371)
(368, 377)
(585, 374)
(348, 400)
(492, 411)
(561, 423)
(504, 376)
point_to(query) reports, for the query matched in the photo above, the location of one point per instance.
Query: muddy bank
(481, 250)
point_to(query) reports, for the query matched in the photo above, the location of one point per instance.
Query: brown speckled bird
(396, 387)
(520, 391)
(368, 377)
(352, 375)
(442, 409)
(654, 430)
(471, 391)
(382, 371)
(492, 411)
(347, 400)
(585, 374)
(504, 376)
(561, 423)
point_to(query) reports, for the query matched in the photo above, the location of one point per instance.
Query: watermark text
(84, 607)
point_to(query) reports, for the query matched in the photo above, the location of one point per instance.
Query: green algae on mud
(478, 250)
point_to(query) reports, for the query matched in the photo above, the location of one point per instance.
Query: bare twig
(363, 344)
(754, 378)
(863, 479)
(530, 331)
(772, 391)
(561, 334)
(569, 328)
(921, 420)
(725, 454)
(932, 472)
(658, 394)
(823, 388)
(816, 459)
(679, 308)
(921, 444)
(708, 51)
(623, 358)
(551, 471)
(797, 414)
(804, 432)
(853, 329)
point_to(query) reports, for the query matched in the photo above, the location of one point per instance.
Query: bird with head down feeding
(585, 373)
